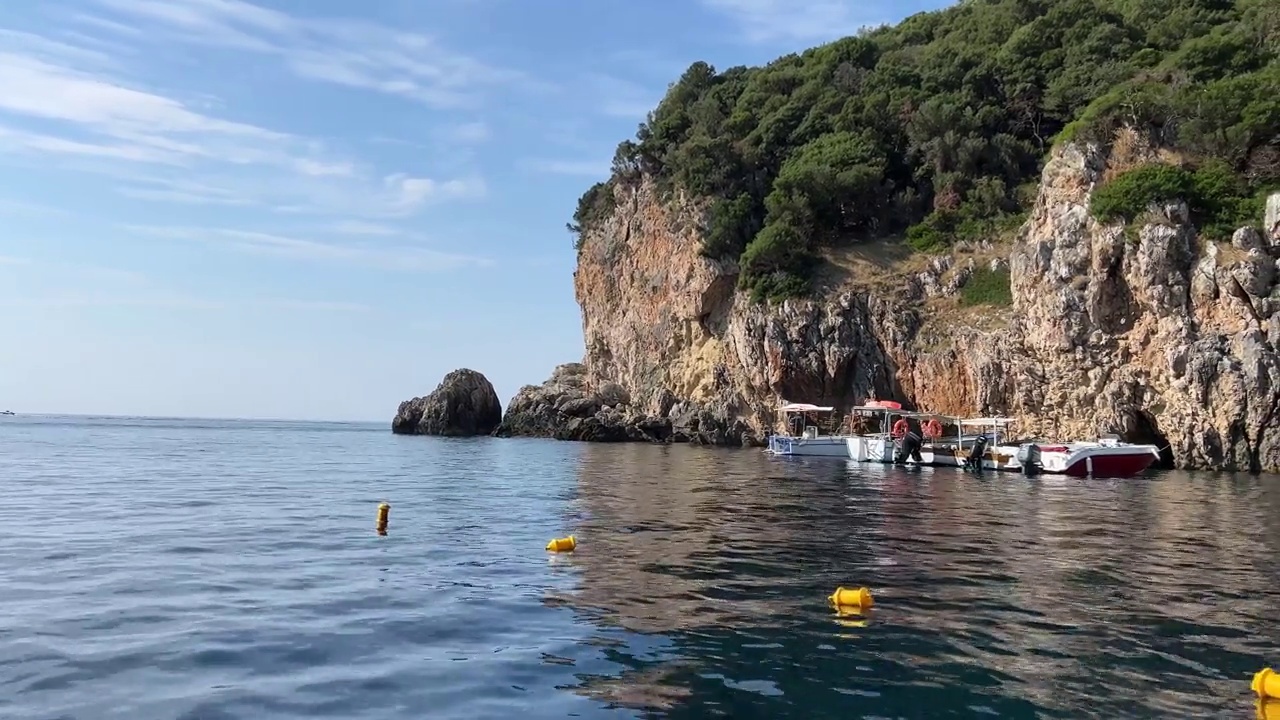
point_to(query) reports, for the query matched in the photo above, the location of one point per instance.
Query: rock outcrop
(565, 408)
(1148, 331)
(464, 404)
(1271, 225)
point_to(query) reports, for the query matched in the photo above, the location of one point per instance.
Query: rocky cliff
(1144, 330)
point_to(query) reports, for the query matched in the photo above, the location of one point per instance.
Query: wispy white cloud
(583, 168)
(76, 271)
(360, 227)
(345, 52)
(183, 192)
(63, 105)
(384, 140)
(382, 257)
(49, 92)
(472, 132)
(80, 299)
(661, 65)
(44, 283)
(764, 21)
(10, 206)
(617, 97)
(52, 50)
(393, 196)
(322, 305)
(100, 23)
(406, 194)
(176, 301)
(316, 168)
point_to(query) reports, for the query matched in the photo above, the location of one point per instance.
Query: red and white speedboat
(1108, 457)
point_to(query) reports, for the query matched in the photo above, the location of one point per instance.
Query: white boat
(953, 450)
(1108, 456)
(878, 446)
(810, 442)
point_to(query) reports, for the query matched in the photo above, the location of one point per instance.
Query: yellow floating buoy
(851, 597)
(1266, 684)
(854, 611)
(383, 511)
(564, 544)
(1267, 709)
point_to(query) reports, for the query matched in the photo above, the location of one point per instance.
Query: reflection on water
(231, 571)
(994, 595)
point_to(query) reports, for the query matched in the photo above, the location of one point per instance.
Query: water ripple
(205, 569)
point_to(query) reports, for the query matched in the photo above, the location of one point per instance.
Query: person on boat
(908, 445)
(974, 461)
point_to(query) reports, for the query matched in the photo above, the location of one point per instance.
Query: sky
(314, 210)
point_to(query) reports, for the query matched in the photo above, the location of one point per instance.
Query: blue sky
(316, 209)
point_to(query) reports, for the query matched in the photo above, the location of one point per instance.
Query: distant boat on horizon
(8, 412)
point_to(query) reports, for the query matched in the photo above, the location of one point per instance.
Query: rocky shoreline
(565, 408)
(562, 408)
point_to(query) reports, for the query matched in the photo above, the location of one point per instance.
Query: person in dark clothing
(909, 446)
(974, 461)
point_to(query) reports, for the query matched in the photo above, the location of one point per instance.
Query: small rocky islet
(563, 408)
(933, 213)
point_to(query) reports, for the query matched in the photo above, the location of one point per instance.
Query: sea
(219, 570)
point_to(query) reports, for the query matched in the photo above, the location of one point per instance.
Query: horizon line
(111, 416)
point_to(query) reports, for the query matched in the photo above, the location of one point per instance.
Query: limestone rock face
(1271, 223)
(1148, 331)
(564, 408)
(464, 404)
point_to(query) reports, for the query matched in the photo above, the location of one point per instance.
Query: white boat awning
(805, 407)
(987, 421)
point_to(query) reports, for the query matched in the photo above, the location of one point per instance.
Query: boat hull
(1115, 462)
(870, 448)
(822, 446)
(1076, 460)
(995, 458)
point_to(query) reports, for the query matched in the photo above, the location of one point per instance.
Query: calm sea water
(216, 570)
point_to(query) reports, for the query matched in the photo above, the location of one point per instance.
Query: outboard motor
(1029, 458)
(909, 446)
(974, 461)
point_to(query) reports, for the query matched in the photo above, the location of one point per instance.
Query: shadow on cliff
(1147, 432)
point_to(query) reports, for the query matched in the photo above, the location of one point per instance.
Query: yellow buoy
(1266, 684)
(851, 597)
(1267, 709)
(383, 511)
(565, 544)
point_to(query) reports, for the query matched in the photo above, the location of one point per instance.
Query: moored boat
(1106, 457)
(954, 450)
(810, 441)
(879, 445)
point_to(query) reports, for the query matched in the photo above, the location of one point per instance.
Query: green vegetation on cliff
(936, 128)
(1219, 197)
(987, 287)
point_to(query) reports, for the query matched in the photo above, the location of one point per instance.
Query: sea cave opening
(1146, 431)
